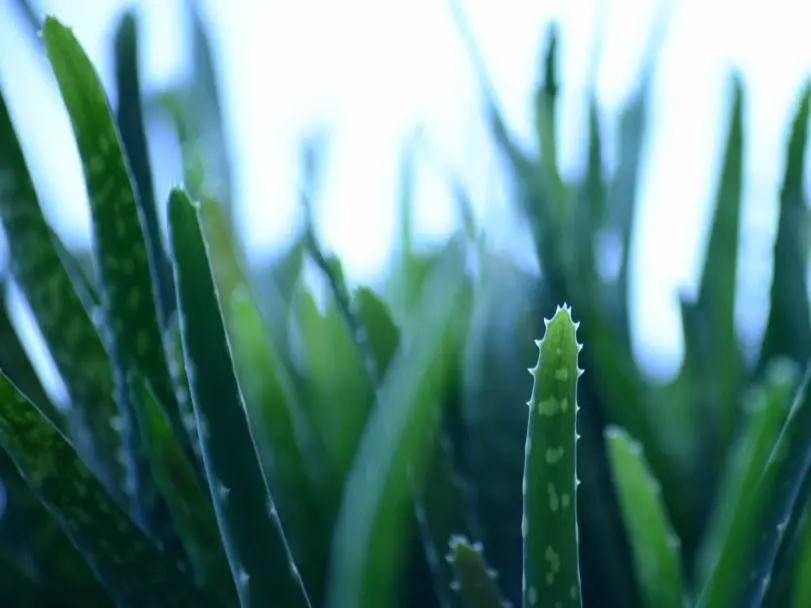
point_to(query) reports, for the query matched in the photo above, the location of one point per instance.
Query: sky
(372, 71)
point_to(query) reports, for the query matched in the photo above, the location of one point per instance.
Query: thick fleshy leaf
(189, 504)
(282, 438)
(131, 125)
(132, 569)
(763, 523)
(712, 352)
(38, 268)
(127, 287)
(367, 551)
(549, 526)
(656, 548)
(248, 520)
(476, 583)
(767, 406)
(788, 328)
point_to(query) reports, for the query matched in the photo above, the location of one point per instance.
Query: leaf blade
(251, 530)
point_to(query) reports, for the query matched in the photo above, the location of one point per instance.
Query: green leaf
(757, 532)
(17, 366)
(249, 524)
(337, 394)
(712, 350)
(549, 526)
(131, 125)
(188, 503)
(367, 550)
(476, 583)
(33, 542)
(656, 548)
(112, 544)
(382, 333)
(204, 141)
(800, 590)
(37, 266)
(788, 328)
(766, 408)
(128, 295)
(281, 436)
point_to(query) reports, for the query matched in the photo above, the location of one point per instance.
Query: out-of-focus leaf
(366, 552)
(800, 583)
(476, 583)
(202, 134)
(112, 544)
(712, 373)
(282, 439)
(37, 266)
(17, 366)
(762, 522)
(337, 395)
(656, 548)
(189, 505)
(131, 126)
(788, 328)
(766, 409)
(252, 533)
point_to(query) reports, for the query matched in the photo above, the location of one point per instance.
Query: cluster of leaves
(229, 439)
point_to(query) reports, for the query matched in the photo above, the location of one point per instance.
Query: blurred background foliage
(700, 428)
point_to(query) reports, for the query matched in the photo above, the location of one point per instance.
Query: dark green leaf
(367, 550)
(114, 547)
(188, 503)
(476, 583)
(252, 533)
(788, 328)
(37, 266)
(127, 287)
(133, 137)
(656, 548)
(281, 436)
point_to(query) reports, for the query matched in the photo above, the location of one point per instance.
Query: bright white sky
(371, 70)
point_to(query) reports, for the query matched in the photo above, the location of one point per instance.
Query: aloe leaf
(130, 120)
(36, 265)
(549, 526)
(112, 544)
(246, 514)
(277, 426)
(711, 342)
(79, 277)
(800, 585)
(546, 121)
(476, 583)
(17, 366)
(31, 14)
(656, 548)
(189, 504)
(788, 327)
(763, 522)
(126, 277)
(337, 395)
(622, 193)
(367, 550)
(440, 504)
(204, 141)
(331, 268)
(765, 412)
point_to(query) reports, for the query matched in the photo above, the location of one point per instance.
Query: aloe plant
(236, 435)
